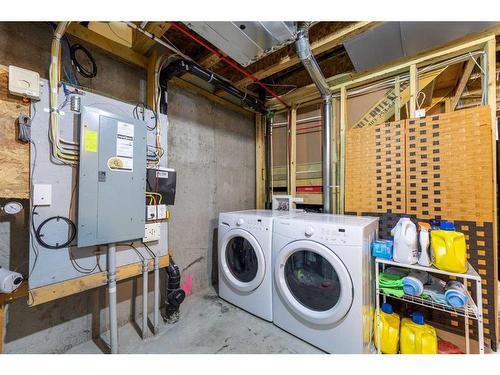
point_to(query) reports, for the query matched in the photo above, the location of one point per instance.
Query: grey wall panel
(52, 266)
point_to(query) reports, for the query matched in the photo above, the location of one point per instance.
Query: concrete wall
(213, 150)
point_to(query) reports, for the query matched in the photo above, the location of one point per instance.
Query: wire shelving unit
(473, 310)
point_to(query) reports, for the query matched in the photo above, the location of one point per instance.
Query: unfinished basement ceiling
(395, 40)
(246, 42)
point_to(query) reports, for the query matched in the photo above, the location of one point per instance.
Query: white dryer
(322, 272)
(244, 256)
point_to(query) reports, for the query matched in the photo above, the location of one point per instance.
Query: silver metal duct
(311, 65)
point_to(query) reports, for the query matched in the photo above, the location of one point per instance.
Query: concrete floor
(208, 325)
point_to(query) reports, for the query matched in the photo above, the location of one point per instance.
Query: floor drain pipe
(113, 320)
(145, 269)
(311, 65)
(156, 312)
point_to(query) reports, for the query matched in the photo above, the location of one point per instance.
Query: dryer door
(242, 260)
(313, 282)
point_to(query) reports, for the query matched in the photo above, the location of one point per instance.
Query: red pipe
(229, 61)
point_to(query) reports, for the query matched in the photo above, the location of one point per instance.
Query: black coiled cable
(39, 235)
(79, 67)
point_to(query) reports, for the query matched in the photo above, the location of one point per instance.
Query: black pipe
(180, 67)
(175, 295)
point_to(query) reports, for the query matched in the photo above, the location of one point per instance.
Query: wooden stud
(413, 90)
(490, 50)
(260, 163)
(292, 176)
(151, 86)
(462, 84)
(343, 129)
(397, 101)
(107, 45)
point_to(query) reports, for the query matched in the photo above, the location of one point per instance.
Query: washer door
(242, 260)
(313, 282)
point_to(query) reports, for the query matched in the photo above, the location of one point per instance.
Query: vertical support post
(413, 90)
(335, 157)
(259, 162)
(491, 100)
(151, 76)
(326, 166)
(447, 105)
(397, 101)
(292, 170)
(343, 128)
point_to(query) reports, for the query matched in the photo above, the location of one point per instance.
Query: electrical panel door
(112, 178)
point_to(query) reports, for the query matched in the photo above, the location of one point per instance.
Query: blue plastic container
(382, 249)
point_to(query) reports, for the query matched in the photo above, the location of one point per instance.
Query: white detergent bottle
(405, 241)
(424, 259)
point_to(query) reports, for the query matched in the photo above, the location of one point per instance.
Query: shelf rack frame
(473, 310)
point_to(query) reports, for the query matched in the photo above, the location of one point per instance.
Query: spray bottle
(424, 259)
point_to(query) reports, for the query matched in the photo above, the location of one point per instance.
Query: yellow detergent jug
(389, 330)
(449, 252)
(417, 337)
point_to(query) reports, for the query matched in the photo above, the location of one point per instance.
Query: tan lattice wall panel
(375, 169)
(450, 166)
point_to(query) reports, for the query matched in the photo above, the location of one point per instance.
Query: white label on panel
(125, 129)
(161, 174)
(124, 146)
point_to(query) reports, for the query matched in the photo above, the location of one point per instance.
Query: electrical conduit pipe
(156, 294)
(113, 319)
(145, 269)
(311, 65)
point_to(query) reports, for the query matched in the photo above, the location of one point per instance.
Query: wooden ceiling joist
(142, 44)
(107, 45)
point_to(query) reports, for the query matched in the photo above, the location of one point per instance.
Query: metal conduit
(311, 65)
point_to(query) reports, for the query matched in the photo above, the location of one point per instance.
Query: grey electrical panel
(112, 178)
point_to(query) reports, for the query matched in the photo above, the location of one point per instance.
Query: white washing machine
(322, 272)
(245, 240)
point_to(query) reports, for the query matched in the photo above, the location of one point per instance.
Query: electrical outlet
(152, 232)
(151, 212)
(161, 211)
(42, 195)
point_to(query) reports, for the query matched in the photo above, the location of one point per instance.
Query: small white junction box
(24, 82)
(42, 195)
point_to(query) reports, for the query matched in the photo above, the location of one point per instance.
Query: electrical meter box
(112, 178)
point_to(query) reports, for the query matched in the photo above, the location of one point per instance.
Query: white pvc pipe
(156, 311)
(113, 320)
(145, 269)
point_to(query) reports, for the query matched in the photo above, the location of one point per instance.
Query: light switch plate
(42, 194)
(151, 212)
(161, 211)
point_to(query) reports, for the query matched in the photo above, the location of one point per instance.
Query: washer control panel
(252, 224)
